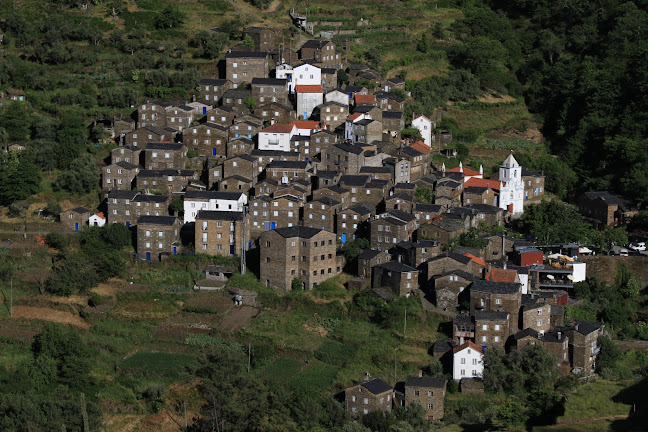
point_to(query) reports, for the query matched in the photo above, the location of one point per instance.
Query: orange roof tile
(465, 345)
(306, 124)
(420, 147)
(279, 128)
(478, 260)
(477, 182)
(101, 215)
(365, 99)
(501, 275)
(466, 171)
(308, 88)
(353, 116)
(425, 117)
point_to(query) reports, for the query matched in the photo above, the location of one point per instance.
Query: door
(386, 89)
(76, 226)
(204, 110)
(127, 224)
(305, 115)
(231, 250)
(148, 256)
(343, 238)
(267, 226)
(175, 250)
(213, 152)
(272, 225)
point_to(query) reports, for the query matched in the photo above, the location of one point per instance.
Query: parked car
(640, 247)
(623, 252)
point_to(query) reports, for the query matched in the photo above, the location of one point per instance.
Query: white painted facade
(307, 102)
(305, 74)
(425, 125)
(511, 186)
(96, 220)
(215, 201)
(468, 363)
(274, 138)
(348, 124)
(337, 96)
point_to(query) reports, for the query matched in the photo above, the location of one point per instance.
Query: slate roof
(164, 146)
(409, 151)
(369, 254)
(525, 333)
(150, 198)
(246, 54)
(145, 173)
(431, 208)
(362, 209)
(376, 386)
(353, 180)
(79, 210)
(396, 266)
(212, 195)
(495, 287)
(447, 224)
(585, 327)
(298, 231)
(236, 94)
(157, 220)
(370, 169)
(327, 201)
(453, 256)
(315, 43)
(211, 81)
(127, 165)
(219, 215)
(279, 164)
(394, 115)
(350, 148)
(269, 81)
(425, 382)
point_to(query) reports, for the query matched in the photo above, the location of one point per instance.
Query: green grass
(157, 363)
(335, 353)
(595, 400)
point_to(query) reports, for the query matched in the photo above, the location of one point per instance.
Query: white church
(511, 194)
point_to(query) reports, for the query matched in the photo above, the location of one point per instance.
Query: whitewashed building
(277, 137)
(194, 201)
(511, 195)
(425, 126)
(467, 361)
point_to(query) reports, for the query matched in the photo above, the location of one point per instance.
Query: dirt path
(274, 6)
(47, 314)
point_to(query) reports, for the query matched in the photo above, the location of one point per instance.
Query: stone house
(321, 213)
(391, 228)
(14, 94)
(393, 123)
(399, 202)
(211, 90)
(321, 139)
(267, 90)
(449, 285)
(286, 172)
(119, 175)
(393, 83)
(368, 259)
(119, 207)
(400, 170)
(321, 51)
(152, 114)
(150, 205)
(220, 233)
(390, 102)
(536, 315)
(236, 99)
(140, 137)
(376, 191)
(367, 131)
(243, 66)
(426, 212)
(479, 195)
(534, 183)
(245, 129)
(605, 209)
(74, 219)
(234, 165)
(297, 252)
(342, 157)
(556, 342)
(275, 112)
(368, 396)
(583, 345)
(266, 187)
(267, 213)
(239, 146)
(130, 154)
(497, 296)
(429, 392)
(263, 38)
(157, 237)
(208, 139)
(416, 253)
(167, 180)
(329, 78)
(165, 156)
(401, 279)
(441, 229)
(337, 95)
(353, 222)
(405, 188)
(235, 183)
(492, 328)
(179, 117)
(417, 162)
(222, 116)
(377, 172)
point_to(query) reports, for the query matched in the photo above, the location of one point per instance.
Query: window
(160, 246)
(474, 373)
(484, 339)
(430, 406)
(539, 323)
(497, 327)
(474, 361)
(484, 326)
(496, 338)
(463, 361)
(463, 372)
(498, 301)
(366, 401)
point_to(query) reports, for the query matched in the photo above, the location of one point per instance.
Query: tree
(19, 178)
(435, 368)
(56, 240)
(554, 222)
(169, 17)
(209, 44)
(250, 103)
(424, 194)
(81, 178)
(117, 235)
(297, 284)
(15, 119)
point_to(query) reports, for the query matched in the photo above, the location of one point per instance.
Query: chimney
(420, 373)
(559, 335)
(367, 376)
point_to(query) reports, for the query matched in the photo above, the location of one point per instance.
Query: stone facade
(297, 252)
(583, 349)
(169, 181)
(157, 237)
(211, 90)
(119, 175)
(391, 228)
(321, 51)
(368, 396)
(497, 296)
(401, 279)
(267, 90)
(275, 112)
(75, 219)
(429, 392)
(165, 156)
(492, 328)
(321, 213)
(220, 233)
(222, 116)
(263, 37)
(208, 139)
(243, 66)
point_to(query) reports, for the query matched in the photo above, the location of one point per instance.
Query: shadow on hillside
(635, 396)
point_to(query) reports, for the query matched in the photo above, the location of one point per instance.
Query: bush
(94, 300)
(56, 240)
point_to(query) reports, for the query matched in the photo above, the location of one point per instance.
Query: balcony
(595, 351)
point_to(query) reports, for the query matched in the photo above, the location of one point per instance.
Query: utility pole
(249, 355)
(405, 325)
(184, 405)
(84, 414)
(395, 350)
(11, 298)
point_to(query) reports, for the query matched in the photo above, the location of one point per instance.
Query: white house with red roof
(306, 74)
(307, 127)
(425, 126)
(308, 97)
(97, 219)
(277, 137)
(467, 361)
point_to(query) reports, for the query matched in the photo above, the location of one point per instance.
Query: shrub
(56, 240)
(94, 300)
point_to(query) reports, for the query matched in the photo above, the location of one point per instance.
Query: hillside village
(275, 161)
(299, 176)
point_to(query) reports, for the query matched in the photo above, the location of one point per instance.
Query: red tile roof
(420, 147)
(365, 99)
(465, 345)
(307, 124)
(308, 88)
(478, 260)
(279, 128)
(501, 275)
(353, 116)
(425, 117)
(101, 215)
(466, 171)
(477, 182)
